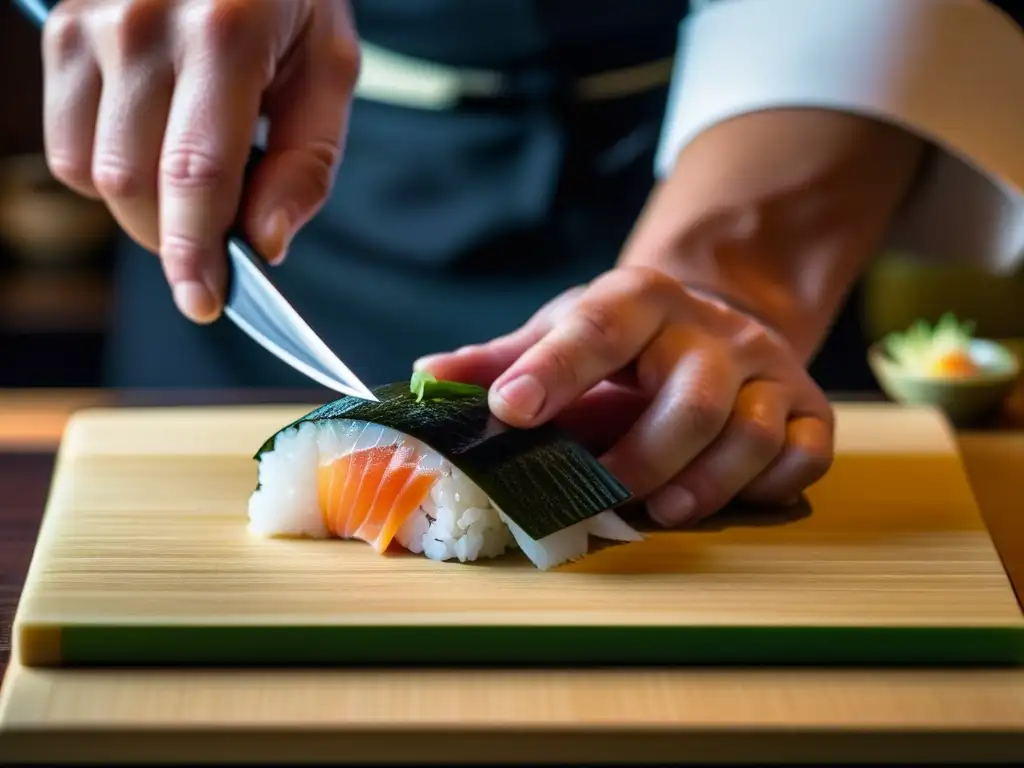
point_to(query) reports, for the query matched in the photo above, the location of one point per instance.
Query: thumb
(307, 109)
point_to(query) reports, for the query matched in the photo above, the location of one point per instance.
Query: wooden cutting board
(144, 558)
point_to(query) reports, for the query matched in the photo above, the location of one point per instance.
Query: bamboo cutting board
(144, 558)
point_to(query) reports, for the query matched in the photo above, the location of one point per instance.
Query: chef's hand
(703, 403)
(777, 212)
(152, 106)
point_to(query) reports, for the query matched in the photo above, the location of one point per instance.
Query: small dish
(946, 367)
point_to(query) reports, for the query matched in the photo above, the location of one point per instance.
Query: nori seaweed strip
(519, 469)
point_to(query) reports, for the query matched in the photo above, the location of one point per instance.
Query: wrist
(777, 214)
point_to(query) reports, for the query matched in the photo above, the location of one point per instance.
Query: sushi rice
(453, 520)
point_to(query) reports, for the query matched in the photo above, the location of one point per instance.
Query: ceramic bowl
(962, 399)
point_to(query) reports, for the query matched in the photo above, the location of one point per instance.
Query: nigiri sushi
(430, 469)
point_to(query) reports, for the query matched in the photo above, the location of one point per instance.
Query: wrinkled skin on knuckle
(113, 177)
(190, 164)
(321, 174)
(182, 257)
(600, 329)
(556, 366)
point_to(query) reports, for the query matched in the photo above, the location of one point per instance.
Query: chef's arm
(803, 137)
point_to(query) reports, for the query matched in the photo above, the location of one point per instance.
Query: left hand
(698, 403)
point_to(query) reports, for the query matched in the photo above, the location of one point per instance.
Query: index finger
(210, 128)
(610, 325)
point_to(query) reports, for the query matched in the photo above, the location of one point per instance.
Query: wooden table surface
(31, 425)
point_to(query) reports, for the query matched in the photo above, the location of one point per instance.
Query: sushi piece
(429, 468)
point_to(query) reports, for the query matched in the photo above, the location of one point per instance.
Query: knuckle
(137, 27)
(190, 165)
(182, 255)
(560, 363)
(815, 457)
(600, 329)
(69, 171)
(343, 63)
(763, 439)
(115, 178)
(319, 177)
(64, 36)
(757, 341)
(223, 25)
(701, 417)
(651, 283)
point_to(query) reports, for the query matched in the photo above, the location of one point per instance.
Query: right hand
(152, 106)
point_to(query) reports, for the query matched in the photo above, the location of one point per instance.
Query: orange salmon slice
(370, 493)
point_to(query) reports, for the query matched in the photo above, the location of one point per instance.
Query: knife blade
(253, 302)
(256, 306)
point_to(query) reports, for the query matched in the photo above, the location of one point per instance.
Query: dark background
(53, 298)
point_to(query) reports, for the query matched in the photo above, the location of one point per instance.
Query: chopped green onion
(419, 383)
(425, 386)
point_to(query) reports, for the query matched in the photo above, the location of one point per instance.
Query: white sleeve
(950, 71)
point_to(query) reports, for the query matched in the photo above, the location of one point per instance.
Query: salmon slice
(370, 493)
(407, 501)
(341, 483)
(403, 491)
(367, 484)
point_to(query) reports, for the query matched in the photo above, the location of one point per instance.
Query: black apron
(447, 228)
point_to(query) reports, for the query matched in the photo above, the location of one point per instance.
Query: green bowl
(962, 399)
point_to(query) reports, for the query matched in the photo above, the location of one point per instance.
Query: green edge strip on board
(541, 646)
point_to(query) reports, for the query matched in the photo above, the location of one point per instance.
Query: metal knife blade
(256, 306)
(253, 303)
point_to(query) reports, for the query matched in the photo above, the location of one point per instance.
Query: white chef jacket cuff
(949, 71)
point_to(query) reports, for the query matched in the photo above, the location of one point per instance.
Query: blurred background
(54, 246)
(55, 261)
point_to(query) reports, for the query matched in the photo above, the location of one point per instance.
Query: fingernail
(278, 232)
(672, 506)
(195, 301)
(524, 395)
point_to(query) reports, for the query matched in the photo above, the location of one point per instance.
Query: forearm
(777, 213)
(779, 209)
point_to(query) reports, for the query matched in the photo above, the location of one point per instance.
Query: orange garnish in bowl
(954, 364)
